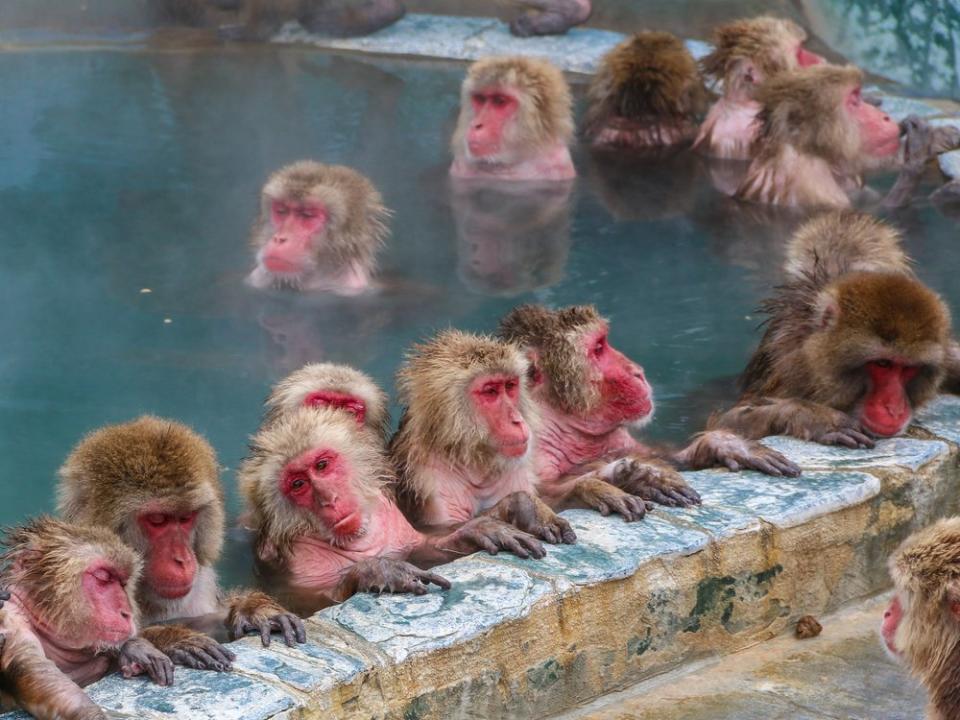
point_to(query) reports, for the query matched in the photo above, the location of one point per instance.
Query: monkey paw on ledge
(516, 638)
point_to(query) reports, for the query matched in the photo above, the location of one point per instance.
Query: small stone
(167, 321)
(808, 627)
(145, 291)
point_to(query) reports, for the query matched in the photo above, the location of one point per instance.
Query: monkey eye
(157, 519)
(490, 390)
(307, 214)
(511, 385)
(102, 576)
(281, 210)
(499, 100)
(599, 346)
(298, 484)
(320, 465)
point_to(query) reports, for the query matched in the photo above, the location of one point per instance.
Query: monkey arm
(530, 514)
(550, 17)
(722, 448)
(759, 417)
(350, 18)
(650, 478)
(255, 611)
(922, 144)
(187, 647)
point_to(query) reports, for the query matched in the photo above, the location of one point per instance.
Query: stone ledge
(517, 638)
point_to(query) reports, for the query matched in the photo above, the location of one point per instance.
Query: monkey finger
(765, 466)
(286, 630)
(299, 629)
(690, 495)
(438, 580)
(546, 533)
(513, 545)
(567, 534)
(205, 660)
(534, 546)
(264, 628)
(602, 508)
(181, 657)
(731, 464)
(679, 498)
(485, 543)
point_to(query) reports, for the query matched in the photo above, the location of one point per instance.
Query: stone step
(528, 639)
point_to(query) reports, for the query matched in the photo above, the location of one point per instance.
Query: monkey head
(312, 473)
(155, 483)
(331, 385)
(511, 108)
(466, 401)
(76, 584)
(748, 52)
(921, 625)
(878, 347)
(318, 224)
(576, 371)
(820, 111)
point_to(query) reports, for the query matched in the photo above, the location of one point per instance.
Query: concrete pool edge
(520, 638)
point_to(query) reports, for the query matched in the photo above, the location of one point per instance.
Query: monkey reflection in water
(511, 239)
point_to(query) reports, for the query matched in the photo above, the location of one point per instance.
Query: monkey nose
(126, 614)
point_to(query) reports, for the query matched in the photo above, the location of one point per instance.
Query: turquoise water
(129, 170)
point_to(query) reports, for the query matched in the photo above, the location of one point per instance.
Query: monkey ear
(534, 372)
(750, 73)
(953, 598)
(267, 551)
(827, 312)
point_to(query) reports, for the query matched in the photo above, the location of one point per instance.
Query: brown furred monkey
(156, 483)
(588, 395)
(853, 344)
(320, 228)
(745, 54)
(318, 491)
(549, 17)
(921, 626)
(464, 446)
(331, 385)
(71, 617)
(515, 122)
(646, 93)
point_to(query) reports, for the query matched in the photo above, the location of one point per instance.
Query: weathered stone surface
(609, 548)
(483, 595)
(898, 452)
(942, 416)
(900, 107)
(308, 667)
(950, 164)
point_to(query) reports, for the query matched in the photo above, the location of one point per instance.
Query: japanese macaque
(331, 385)
(747, 53)
(317, 488)
(156, 484)
(816, 138)
(921, 626)
(515, 122)
(854, 343)
(70, 618)
(549, 17)
(320, 228)
(464, 447)
(647, 93)
(588, 395)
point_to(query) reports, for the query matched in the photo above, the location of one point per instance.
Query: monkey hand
(532, 515)
(722, 448)
(139, 656)
(189, 648)
(387, 575)
(597, 494)
(492, 536)
(923, 142)
(259, 613)
(838, 428)
(650, 479)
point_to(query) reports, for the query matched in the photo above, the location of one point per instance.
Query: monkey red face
(886, 409)
(171, 564)
(891, 621)
(880, 134)
(624, 391)
(497, 400)
(805, 58)
(493, 110)
(295, 225)
(319, 481)
(105, 588)
(342, 401)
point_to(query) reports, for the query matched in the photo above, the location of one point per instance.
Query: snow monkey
(70, 618)
(589, 395)
(647, 93)
(921, 626)
(318, 490)
(548, 17)
(853, 345)
(331, 385)
(156, 484)
(515, 122)
(464, 447)
(320, 228)
(746, 53)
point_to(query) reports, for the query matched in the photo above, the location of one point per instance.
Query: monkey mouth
(173, 592)
(349, 526)
(889, 429)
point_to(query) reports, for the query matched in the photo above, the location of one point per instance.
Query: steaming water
(128, 171)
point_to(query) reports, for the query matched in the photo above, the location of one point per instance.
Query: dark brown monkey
(320, 228)
(318, 489)
(589, 395)
(853, 345)
(515, 122)
(465, 446)
(647, 93)
(331, 385)
(549, 17)
(156, 483)
(921, 626)
(71, 617)
(745, 54)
